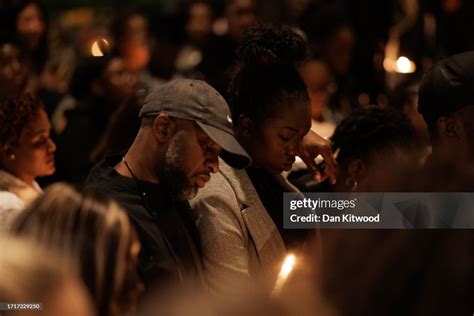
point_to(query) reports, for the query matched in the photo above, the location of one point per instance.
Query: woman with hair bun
(240, 211)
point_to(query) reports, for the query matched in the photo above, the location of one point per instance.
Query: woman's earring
(10, 154)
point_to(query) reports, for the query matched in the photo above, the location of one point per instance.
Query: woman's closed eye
(40, 141)
(287, 136)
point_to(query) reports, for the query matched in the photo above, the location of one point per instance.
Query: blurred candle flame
(393, 62)
(402, 65)
(285, 271)
(405, 65)
(96, 49)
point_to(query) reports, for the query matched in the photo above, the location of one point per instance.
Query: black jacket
(170, 248)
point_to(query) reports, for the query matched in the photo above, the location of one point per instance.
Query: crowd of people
(150, 178)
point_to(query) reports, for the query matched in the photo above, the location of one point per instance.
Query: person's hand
(312, 146)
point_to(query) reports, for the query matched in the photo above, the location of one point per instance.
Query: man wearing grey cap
(446, 102)
(185, 127)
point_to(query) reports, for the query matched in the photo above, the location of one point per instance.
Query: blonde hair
(29, 274)
(95, 232)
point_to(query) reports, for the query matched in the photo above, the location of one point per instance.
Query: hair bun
(264, 44)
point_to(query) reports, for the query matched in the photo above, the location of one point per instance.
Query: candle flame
(402, 65)
(405, 65)
(287, 266)
(285, 271)
(96, 50)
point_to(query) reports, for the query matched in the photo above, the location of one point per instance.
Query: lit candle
(285, 271)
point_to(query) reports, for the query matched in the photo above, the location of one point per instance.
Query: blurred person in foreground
(32, 274)
(395, 272)
(96, 236)
(295, 299)
(184, 128)
(240, 211)
(360, 272)
(26, 152)
(446, 102)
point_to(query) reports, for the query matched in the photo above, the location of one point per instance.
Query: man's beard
(172, 175)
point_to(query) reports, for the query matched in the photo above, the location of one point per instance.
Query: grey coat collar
(268, 243)
(240, 183)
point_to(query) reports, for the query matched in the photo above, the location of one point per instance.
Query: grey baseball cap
(197, 101)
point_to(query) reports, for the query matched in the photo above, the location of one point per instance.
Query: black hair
(266, 72)
(368, 130)
(16, 113)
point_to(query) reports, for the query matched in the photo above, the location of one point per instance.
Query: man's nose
(213, 163)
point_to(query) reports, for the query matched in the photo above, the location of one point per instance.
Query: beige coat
(239, 239)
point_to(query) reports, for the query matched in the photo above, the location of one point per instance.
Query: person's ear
(356, 170)
(163, 127)
(447, 126)
(7, 152)
(246, 125)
